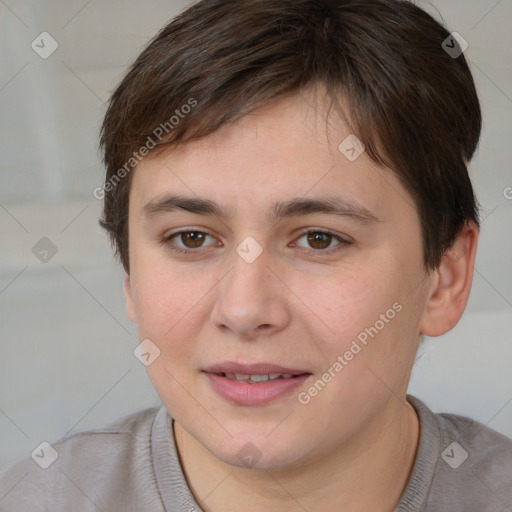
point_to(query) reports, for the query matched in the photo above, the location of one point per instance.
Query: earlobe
(128, 297)
(451, 285)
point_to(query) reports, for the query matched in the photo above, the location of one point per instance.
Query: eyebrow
(282, 209)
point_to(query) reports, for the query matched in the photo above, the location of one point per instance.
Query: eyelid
(341, 236)
(176, 234)
(343, 241)
(166, 235)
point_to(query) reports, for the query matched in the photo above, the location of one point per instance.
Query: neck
(368, 473)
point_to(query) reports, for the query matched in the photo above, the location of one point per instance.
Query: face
(263, 250)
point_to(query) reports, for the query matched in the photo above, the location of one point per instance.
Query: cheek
(366, 313)
(161, 297)
(346, 300)
(172, 304)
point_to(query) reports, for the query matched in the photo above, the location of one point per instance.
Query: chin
(258, 453)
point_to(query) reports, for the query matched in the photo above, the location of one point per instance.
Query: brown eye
(192, 239)
(319, 240)
(187, 241)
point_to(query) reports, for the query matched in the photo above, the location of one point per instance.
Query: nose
(251, 300)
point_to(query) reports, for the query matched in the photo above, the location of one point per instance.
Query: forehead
(288, 149)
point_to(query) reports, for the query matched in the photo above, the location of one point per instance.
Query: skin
(352, 447)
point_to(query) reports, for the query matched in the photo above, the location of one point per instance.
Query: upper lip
(252, 369)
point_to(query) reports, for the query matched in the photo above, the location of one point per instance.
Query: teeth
(259, 378)
(242, 377)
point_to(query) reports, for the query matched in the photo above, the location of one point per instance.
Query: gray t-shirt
(132, 465)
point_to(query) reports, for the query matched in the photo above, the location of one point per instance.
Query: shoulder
(92, 466)
(472, 467)
(483, 456)
(124, 437)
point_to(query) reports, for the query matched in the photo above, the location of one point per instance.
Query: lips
(254, 384)
(253, 369)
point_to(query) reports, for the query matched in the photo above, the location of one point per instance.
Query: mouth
(254, 373)
(255, 384)
(255, 378)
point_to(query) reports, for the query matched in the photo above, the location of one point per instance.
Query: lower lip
(244, 393)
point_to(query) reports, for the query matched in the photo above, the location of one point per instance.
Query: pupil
(319, 238)
(195, 237)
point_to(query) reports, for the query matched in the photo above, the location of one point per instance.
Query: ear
(128, 297)
(451, 284)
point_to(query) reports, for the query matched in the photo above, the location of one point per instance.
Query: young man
(288, 193)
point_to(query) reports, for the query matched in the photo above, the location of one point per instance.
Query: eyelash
(342, 242)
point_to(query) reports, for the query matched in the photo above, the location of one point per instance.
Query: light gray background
(66, 345)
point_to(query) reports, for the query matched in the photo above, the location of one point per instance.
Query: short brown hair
(412, 104)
